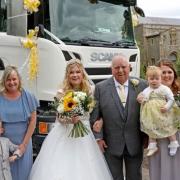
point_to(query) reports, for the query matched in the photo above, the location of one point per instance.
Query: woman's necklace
(77, 88)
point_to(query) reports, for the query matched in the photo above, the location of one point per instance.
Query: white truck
(90, 30)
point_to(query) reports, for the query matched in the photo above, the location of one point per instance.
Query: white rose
(76, 99)
(60, 108)
(82, 96)
(135, 82)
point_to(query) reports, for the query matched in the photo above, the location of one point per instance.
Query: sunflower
(69, 94)
(69, 104)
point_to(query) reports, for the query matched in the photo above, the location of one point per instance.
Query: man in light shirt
(120, 138)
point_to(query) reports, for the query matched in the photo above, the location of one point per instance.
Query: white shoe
(152, 149)
(173, 148)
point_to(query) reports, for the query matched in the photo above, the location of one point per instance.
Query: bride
(67, 158)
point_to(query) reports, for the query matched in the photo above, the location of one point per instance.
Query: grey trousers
(133, 165)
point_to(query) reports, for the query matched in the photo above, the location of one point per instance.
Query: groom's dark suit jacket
(121, 125)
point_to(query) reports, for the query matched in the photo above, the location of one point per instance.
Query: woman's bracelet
(17, 155)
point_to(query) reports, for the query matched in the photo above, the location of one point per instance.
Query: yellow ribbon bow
(31, 5)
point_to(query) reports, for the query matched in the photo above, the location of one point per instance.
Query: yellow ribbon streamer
(33, 63)
(135, 20)
(30, 43)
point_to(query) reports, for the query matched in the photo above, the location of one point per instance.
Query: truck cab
(90, 30)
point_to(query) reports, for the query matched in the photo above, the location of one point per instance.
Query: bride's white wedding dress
(65, 158)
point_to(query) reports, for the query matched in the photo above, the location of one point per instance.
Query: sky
(160, 8)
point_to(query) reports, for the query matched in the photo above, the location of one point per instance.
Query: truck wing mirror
(139, 11)
(2, 67)
(41, 32)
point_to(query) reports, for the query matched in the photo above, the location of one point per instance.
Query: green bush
(142, 71)
(177, 65)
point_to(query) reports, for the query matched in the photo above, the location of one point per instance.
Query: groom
(120, 138)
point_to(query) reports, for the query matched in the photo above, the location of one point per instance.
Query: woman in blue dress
(18, 114)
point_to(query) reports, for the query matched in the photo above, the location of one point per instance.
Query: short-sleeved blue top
(15, 116)
(18, 110)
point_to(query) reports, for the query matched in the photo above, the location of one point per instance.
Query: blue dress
(15, 116)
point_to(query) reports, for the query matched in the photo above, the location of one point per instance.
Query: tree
(177, 64)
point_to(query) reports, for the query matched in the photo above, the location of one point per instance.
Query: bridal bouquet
(75, 103)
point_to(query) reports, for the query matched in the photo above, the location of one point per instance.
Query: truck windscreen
(75, 21)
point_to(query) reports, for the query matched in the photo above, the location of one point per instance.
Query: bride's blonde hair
(85, 85)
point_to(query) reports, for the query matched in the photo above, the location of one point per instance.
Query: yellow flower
(69, 104)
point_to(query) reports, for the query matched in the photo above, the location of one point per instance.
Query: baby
(156, 116)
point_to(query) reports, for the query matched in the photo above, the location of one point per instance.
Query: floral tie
(122, 94)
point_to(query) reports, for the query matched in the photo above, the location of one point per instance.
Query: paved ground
(145, 171)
